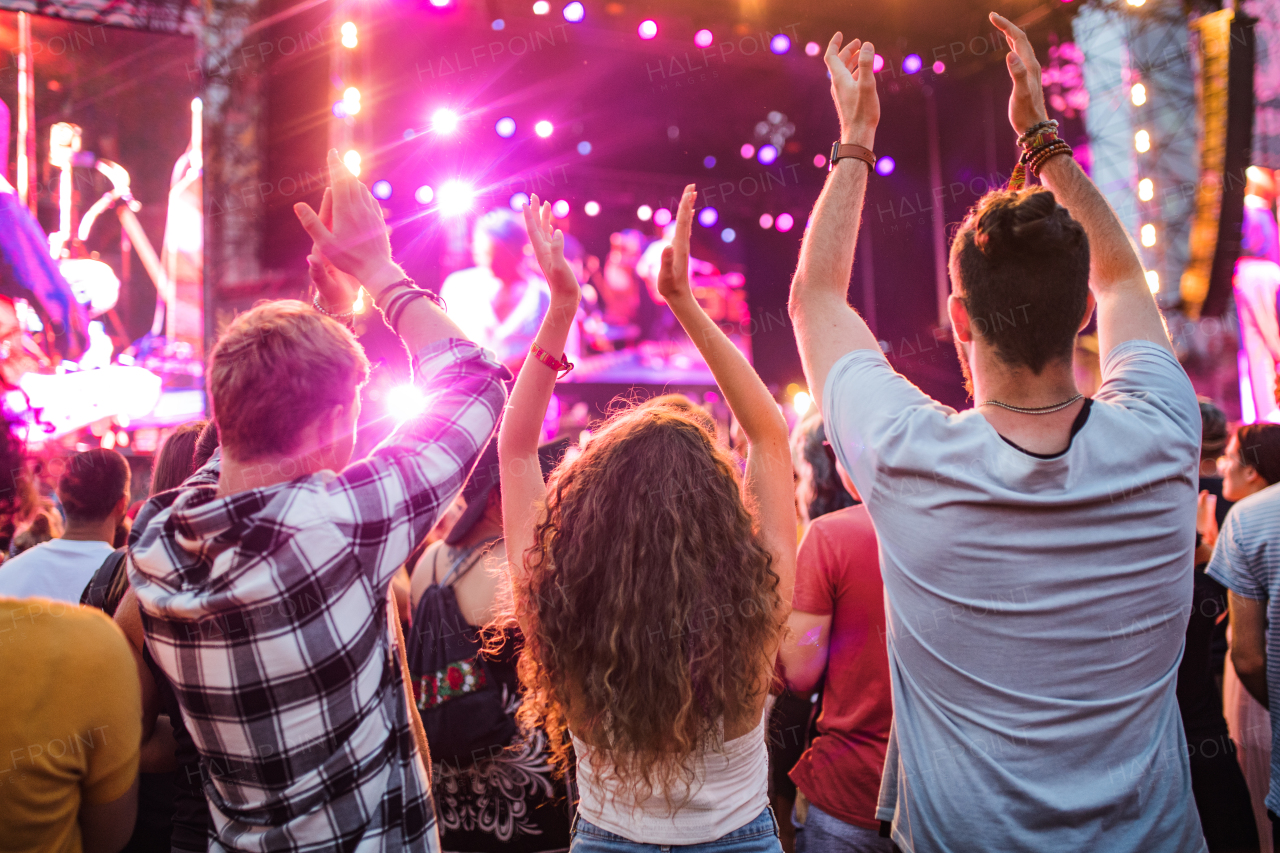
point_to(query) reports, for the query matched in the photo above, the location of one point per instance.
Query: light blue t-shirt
(1036, 610)
(1246, 561)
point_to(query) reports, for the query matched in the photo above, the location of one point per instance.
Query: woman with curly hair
(652, 583)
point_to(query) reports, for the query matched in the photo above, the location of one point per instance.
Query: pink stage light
(704, 38)
(812, 48)
(784, 222)
(544, 128)
(444, 121)
(591, 208)
(661, 217)
(455, 198)
(819, 160)
(747, 151)
(560, 209)
(766, 220)
(648, 29)
(877, 63)
(939, 67)
(405, 402)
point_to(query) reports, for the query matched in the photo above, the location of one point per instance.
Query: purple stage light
(747, 151)
(661, 217)
(784, 222)
(780, 43)
(812, 48)
(382, 189)
(574, 12)
(560, 209)
(584, 148)
(709, 161)
(648, 29)
(703, 38)
(877, 63)
(423, 194)
(340, 109)
(728, 235)
(505, 127)
(885, 166)
(766, 220)
(912, 63)
(939, 67)
(708, 217)
(405, 402)
(518, 201)
(767, 154)
(498, 24)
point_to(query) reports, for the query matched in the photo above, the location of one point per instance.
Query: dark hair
(92, 484)
(1213, 430)
(206, 444)
(652, 602)
(826, 492)
(1260, 449)
(176, 460)
(1021, 264)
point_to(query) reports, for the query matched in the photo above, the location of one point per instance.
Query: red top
(838, 574)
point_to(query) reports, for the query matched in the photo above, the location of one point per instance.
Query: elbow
(1248, 663)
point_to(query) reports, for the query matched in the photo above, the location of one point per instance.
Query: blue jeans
(824, 833)
(759, 836)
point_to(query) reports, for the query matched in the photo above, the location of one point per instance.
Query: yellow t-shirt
(70, 720)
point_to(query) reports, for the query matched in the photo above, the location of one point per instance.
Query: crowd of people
(471, 640)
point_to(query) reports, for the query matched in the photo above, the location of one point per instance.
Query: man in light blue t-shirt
(1037, 549)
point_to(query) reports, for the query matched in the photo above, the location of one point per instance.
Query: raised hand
(1026, 104)
(355, 240)
(548, 248)
(338, 291)
(673, 278)
(853, 85)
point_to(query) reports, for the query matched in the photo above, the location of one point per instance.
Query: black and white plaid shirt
(267, 610)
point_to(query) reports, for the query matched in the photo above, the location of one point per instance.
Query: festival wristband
(561, 367)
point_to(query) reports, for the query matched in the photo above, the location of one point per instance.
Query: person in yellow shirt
(70, 729)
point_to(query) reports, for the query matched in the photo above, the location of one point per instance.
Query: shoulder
(1260, 508)
(85, 633)
(850, 521)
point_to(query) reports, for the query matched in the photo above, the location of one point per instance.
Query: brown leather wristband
(844, 151)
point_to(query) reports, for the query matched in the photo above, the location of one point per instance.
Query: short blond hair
(275, 369)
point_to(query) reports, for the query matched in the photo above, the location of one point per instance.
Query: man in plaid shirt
(263, 581)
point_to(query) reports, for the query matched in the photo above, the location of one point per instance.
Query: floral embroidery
(457, 679)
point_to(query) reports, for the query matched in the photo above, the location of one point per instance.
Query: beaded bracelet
(1048, 125)
(1045, 154)
(562, 367)
(342, 316)
(397, 306)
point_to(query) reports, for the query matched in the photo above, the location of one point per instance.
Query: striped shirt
(267, 610)
(1246, 561)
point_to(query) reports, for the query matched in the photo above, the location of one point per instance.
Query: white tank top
(730, 789)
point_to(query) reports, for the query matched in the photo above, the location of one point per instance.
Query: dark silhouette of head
(93, 485)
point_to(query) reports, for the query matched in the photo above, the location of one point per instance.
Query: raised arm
(1126, 308)
(523, 491)
(769, 486)
(826, 326)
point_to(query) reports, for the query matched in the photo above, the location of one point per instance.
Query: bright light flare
(703, 38)
(544, 128)
(644, 212)
(1148, 235)
(352, 161)
(455, 197)
(424, 194)
(1136, 3)
(349, 34)
(505, 127)
(381, 189)
(801, 402)
(708, 217)
(1146, 189)
(518, 201)
(444, 121)
(591, 208)
(1142, 141)
(574, 12)
(542, 7)
(1138, 94)
(648, 29)
(1153, 281)
(560, 209)
(405, 402)
(351, 101)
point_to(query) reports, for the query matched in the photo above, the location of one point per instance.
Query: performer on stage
(500, 301)
(1257, 286)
